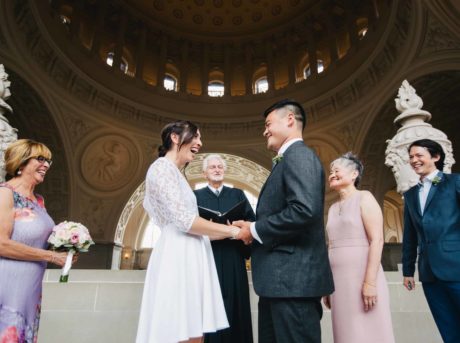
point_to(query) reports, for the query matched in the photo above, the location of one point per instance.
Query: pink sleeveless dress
(348, 252)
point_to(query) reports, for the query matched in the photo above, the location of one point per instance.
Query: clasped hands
(245, 232)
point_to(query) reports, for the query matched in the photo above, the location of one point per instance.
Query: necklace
(342, 201)
(340, 207)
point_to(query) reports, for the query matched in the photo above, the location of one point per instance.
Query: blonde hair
(20, 152)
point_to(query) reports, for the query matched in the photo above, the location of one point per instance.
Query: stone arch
(241, 172)
(393, 217)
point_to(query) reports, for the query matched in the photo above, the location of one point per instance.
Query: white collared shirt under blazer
(182, 297)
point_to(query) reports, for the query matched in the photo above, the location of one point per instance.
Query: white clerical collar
(430, 177)
(216, 189)
(287, 144)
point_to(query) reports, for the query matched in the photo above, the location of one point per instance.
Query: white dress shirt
(424, 189)
(214, 190)
(281, 151)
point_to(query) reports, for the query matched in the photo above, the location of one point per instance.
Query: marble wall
(103, 306)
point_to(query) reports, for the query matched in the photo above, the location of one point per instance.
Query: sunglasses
(42, 160)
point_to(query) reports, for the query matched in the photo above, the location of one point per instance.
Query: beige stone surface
(103, 306)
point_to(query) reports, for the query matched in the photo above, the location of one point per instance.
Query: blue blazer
(435, 234)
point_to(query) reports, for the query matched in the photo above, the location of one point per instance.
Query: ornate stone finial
(4, 91)
(7, 133)
(414, 126)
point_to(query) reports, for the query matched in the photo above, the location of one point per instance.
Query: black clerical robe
(230, 256)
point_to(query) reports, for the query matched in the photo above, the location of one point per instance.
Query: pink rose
(74, 239)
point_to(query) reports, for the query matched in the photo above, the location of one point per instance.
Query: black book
(235, 213)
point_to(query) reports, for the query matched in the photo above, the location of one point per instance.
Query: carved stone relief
(438, 37)
(109, 162)
(94, 214)
(77, 127)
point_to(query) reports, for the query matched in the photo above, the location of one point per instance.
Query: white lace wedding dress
(182, 297)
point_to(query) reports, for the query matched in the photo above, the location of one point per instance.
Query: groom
(432, 230)
(290, 265)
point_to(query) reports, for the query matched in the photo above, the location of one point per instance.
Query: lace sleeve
(164, 200)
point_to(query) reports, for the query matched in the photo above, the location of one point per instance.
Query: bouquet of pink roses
(71, 237)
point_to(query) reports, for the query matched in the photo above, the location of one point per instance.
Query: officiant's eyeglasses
(42, 160)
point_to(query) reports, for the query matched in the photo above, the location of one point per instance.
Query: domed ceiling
(225, 18)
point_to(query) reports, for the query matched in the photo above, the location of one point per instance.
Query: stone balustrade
(103, 306)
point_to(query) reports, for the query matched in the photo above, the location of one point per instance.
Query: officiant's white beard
(215, 178)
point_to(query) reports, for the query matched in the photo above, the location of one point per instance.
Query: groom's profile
(290, 265)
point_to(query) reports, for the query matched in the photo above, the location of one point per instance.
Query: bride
(182, 298)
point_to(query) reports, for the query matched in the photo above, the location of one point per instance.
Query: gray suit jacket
(293, 259)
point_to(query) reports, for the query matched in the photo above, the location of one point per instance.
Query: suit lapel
(432, 192)
(273, 169)
(414, 194)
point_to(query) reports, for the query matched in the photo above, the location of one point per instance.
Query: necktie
(217, 193)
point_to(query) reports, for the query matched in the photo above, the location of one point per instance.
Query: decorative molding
(438, 37)
(94, 214)
(77, 127)
(78, 86)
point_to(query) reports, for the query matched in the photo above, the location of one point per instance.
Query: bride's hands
(245, 232)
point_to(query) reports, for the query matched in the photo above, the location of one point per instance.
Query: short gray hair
(213, 157)
(352, 161)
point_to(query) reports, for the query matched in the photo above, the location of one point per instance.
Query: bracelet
(369, 284)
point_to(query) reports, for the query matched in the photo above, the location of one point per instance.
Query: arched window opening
(151, 235)
(362, 25)
(306, 72)
(123, 64)
(261, 85)
(170, 83)
(216, 89)
(362, 33)
(65, 20)
(320, 64)
(307, 69)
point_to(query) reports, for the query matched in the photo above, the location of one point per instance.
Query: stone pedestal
(413, 126)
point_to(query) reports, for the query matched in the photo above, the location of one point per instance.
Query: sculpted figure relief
(413, 126)
(7, 133)
(109, 162)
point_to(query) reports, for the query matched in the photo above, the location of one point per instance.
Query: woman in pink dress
(360, 305)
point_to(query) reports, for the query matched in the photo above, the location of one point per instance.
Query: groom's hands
(245, 232)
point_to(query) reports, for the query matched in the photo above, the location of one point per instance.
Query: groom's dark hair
(433, 148)
(291, 105)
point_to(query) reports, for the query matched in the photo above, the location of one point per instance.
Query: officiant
(230, 255)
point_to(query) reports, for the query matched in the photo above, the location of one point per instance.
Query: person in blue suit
(432, 229)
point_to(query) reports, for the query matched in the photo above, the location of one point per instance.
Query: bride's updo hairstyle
(184, 129)
(350, 160)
